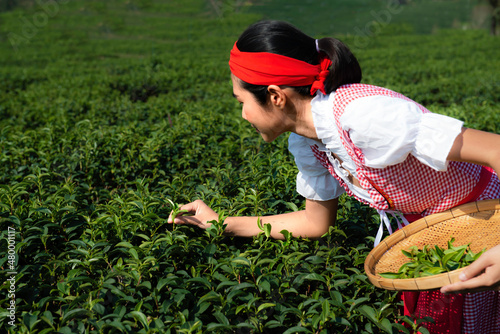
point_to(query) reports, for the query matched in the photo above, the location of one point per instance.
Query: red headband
(264, 68)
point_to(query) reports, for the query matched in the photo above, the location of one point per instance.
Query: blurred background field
(352, 17)
(113, 111)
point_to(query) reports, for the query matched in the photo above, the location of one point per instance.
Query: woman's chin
(267, 138)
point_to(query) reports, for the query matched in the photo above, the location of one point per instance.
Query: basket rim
(428, 282)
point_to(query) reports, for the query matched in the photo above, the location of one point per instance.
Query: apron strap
(384, 220)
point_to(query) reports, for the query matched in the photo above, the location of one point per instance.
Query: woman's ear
(277, 96)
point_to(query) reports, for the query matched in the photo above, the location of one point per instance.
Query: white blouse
(386, 129)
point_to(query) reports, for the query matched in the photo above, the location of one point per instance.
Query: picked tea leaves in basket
(435, 260)
(469, 229)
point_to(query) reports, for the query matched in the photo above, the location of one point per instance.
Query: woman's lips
(255, 128)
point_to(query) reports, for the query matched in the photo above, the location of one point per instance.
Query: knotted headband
(264, 68)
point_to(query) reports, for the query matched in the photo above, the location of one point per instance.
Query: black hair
(284, 39)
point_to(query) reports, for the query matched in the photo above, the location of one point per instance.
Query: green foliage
(112, 113)
(435, 260)
(368, 17)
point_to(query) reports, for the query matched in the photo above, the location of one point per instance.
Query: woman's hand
(483, 274)
(198, 214)
(312, 222)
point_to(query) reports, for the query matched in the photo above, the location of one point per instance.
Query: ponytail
(345, 68)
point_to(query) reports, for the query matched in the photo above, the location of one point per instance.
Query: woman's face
(268, 120)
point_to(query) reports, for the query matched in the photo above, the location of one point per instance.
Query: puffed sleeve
(387, 129)
(313, 180)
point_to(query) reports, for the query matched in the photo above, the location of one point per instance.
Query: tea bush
(115, 112)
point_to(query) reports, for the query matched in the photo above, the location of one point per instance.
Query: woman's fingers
(483, 282)
(190, 220)
(482, 274)
(186, 209)
(478, 266)
(195, 213)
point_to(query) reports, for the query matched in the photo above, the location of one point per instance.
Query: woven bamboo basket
(477, 223)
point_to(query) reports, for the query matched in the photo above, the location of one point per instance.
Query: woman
(376, 145)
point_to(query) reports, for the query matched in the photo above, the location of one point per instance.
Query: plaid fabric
(445, 310)
(400, 187)
(412, 187)
(325, 162)
(481, 313)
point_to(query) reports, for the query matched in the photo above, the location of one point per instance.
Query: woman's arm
(481, 148)
(310, 223)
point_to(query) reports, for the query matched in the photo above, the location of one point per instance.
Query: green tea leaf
(390, 275)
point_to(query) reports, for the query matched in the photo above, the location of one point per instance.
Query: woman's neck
(301, 113)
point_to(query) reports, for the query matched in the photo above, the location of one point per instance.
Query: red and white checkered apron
(417, 190)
